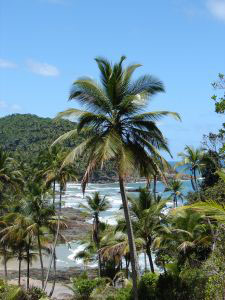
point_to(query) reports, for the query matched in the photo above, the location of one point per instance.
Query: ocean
(73, 196)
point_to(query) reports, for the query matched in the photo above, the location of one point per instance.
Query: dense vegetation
(183, 247)
(28, 134)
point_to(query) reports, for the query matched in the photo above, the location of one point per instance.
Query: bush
(35, 293)
(11, 292)
(121, 294)
(147, 286)
(83, 287)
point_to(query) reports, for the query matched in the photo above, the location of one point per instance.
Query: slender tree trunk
(20, 260)
(126, 266)
(195, 179)
(192, 181)
(5, 263)
(53, 251)
(148, 183)
(98, 244)
(175, 200)
(54, 193)
(60, 198)
(148, 251)
(145, 259)
(41, 259)
(54, 280)
(28, 265)
(154, 186)
(19, 278)
(132, 246)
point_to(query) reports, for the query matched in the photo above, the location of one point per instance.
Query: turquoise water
(74, 196)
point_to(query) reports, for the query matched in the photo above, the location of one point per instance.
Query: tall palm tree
(95, 205)
(10, 178)
(192, 159)
(175, 188)
(37, 208)
(116, 127)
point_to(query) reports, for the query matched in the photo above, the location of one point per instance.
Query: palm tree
(10, 176)
(37, 208)
(95, 205)
(193, 160)
(175, 187)
(56, 172)
(146, 215)
(115, 248)
(116, 127)
(187, 233)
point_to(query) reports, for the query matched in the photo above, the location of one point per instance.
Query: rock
(64, 296)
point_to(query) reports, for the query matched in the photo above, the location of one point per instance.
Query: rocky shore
(77, 225)
(63, 274)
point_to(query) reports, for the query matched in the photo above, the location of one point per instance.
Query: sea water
(74, 196)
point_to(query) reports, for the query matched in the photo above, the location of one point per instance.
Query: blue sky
(46, 44)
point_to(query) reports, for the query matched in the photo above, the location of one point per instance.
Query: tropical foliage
(180, 242)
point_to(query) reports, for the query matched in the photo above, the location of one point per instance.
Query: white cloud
(7, 64)
(15, 108)
(3, 104)
(9, 108)
(217, 8)
(43, 69)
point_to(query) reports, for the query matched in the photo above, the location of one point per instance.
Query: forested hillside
(27, 134)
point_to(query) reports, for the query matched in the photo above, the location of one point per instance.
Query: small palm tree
(55, 172)
(146, 215)
(193, 160)
(175, 188)
(95, 205)
(188, 233)
(10, 176)
(116, 127)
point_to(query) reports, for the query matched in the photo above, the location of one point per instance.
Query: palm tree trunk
(148, 251)
(53, 251)
(145, 259)
(19, 277)
(54, 193)
(5, 263)
(54, 280)
(98, 244)
(41, 259)
(60, 198)
(20, 260)
(132, 246)
(28, 265)
(175, 200)
(148, 183)
(195, 179)
(127, 266)
(154, 186)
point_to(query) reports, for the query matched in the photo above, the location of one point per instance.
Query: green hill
(28, 134)
(25, 135)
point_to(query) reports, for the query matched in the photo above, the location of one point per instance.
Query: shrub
(35, 293)
(121, 294)
(147, 286)
(83, 287)
(11, 292)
